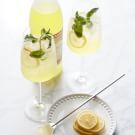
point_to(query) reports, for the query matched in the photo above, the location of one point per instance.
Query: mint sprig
(80, 21)
(79, 18)
(89, 15)
(31, 38)
(78, 28)
(91, 12)
(45, 35)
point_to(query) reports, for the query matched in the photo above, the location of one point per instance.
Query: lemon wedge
(75, 41)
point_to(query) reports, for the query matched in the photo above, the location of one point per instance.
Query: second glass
(84, 37)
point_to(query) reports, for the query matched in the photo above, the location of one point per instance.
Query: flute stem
(40, 93)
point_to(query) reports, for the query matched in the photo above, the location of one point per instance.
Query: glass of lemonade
(38, 64)
(83, 38)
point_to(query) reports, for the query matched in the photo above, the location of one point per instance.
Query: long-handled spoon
(54, 125)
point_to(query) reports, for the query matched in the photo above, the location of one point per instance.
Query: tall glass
(38, 64)
(83, 38)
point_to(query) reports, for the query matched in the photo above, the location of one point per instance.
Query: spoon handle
(88, 100)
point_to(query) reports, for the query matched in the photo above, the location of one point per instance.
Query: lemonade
(39, 69)
(41, 54)
(90, 41)
(83, 38)
(47, 14)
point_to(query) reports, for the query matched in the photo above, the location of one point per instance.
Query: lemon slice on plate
(75, 41)
(80, 131)
(99, 127)
(87, 120)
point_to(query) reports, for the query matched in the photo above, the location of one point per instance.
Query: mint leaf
(89, 15)
(78, 29)
(91, 12)
(31, 38)
(50, 41)
(37, 54)
(43, 31)
(79, 19)
(45, 35)
(44, 38)
(48, 32)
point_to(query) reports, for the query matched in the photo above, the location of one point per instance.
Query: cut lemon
(99, 127)
(80, 131)
(89, 123)
(75, 41)
(87, 120)
(28, 61)
(30, 46)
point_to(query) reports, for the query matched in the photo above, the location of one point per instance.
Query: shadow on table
(116, 132)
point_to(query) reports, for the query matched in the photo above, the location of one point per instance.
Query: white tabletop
(115, 57)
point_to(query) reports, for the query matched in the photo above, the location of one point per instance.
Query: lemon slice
(75, 41)
(30, 46)
(80, 131)
(99, 127)
(87, 120)
(28, 61)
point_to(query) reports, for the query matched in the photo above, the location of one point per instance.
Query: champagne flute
(83, 38)
(38, 64)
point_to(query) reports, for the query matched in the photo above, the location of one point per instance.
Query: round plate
(68, 103)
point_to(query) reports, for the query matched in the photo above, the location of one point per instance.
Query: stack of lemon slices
(77, 42)
(89, 123)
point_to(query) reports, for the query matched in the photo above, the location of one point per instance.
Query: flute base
(36, 112)
(80, 82)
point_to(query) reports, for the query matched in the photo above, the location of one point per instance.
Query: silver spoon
(53, 126)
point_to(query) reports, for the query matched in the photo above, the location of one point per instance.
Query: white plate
(66, 104)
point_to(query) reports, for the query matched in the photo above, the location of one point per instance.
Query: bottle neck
(45, 5)
(45, 2)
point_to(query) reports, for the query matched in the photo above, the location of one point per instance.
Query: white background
(116, 56)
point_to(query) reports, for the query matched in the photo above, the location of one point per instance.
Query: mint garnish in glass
(45, 35)
(80, 21)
